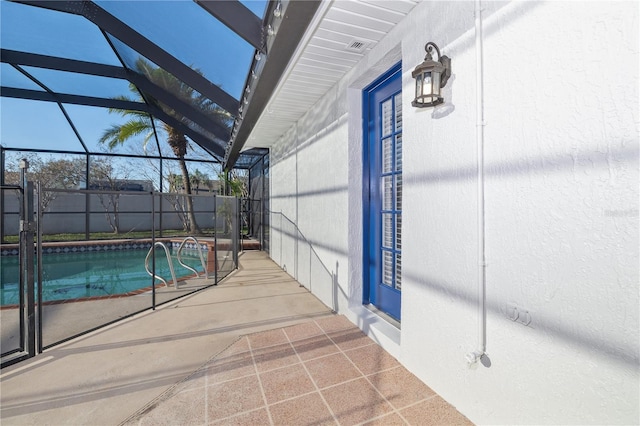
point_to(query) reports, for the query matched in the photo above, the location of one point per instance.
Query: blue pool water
(88, 274)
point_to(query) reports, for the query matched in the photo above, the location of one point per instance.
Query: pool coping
(104, 245)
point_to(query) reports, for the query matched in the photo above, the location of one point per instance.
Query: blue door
(382, 111)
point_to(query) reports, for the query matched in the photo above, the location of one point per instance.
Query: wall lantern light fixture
(431, 76)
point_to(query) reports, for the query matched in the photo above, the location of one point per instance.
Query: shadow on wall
(624, 353)
(527, 166)
(442, 111)
(299, 138)
(532, 166)
(297, 256)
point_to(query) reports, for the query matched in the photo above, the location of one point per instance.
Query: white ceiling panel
(320, 70)
(345, 17)
(336, 42)
(323, 54)
(299, 74)
(324, 34)
(332, 64)
(400, 6)
(355, 31)
(297, 79)
(371, 10)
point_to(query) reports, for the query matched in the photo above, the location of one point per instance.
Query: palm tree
(140, 123)
(175, 182)
(197, 178)
(234, 183)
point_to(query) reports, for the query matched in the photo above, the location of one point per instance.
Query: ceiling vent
(356, 46)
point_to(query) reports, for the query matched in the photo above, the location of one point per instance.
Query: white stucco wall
(562, 209)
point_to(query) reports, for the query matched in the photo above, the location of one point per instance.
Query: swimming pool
(74, 275)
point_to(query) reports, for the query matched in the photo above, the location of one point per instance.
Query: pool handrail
(204, 266)
(166, 251)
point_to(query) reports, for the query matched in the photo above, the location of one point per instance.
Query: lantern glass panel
(435, 85)
(418, 85)
(426, 87)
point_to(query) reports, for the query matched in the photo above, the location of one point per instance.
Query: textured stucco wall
(562, 209)
(561, 155)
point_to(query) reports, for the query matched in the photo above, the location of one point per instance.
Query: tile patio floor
(322, 372)
(258, 349)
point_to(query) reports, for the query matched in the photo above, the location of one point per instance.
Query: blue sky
(182, 28)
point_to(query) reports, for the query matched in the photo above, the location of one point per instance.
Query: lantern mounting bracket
(443, 59)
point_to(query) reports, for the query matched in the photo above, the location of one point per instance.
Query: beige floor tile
(267, 338)
(306, 410)
(314, 347)
(233, 397)
(434, 411)
(252, 418)
(350, 339)
(355, 402)
(371, 359)
(230, 367)
(275, 357)
(389, 420)
(331, 370)
(400, 387)
(285, 383)
(335, 323)
(303, 331)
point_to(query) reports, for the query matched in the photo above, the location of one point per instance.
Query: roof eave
(295, 20)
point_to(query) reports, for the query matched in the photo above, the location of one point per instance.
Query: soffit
(342, 33)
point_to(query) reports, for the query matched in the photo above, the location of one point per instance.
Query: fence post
(235, 234)
(281, 232)
(26, 261)
(39, 260)
(87, 203)
(215, 239)
(153, 245)
(160, 204)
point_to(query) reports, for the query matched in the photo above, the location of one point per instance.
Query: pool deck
(256, 349)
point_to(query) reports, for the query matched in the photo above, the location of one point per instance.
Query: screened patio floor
(257, 349)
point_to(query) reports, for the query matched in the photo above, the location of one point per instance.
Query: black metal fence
(257, 204)
(88, 258)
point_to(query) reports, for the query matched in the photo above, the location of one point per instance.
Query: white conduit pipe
(476, 355)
